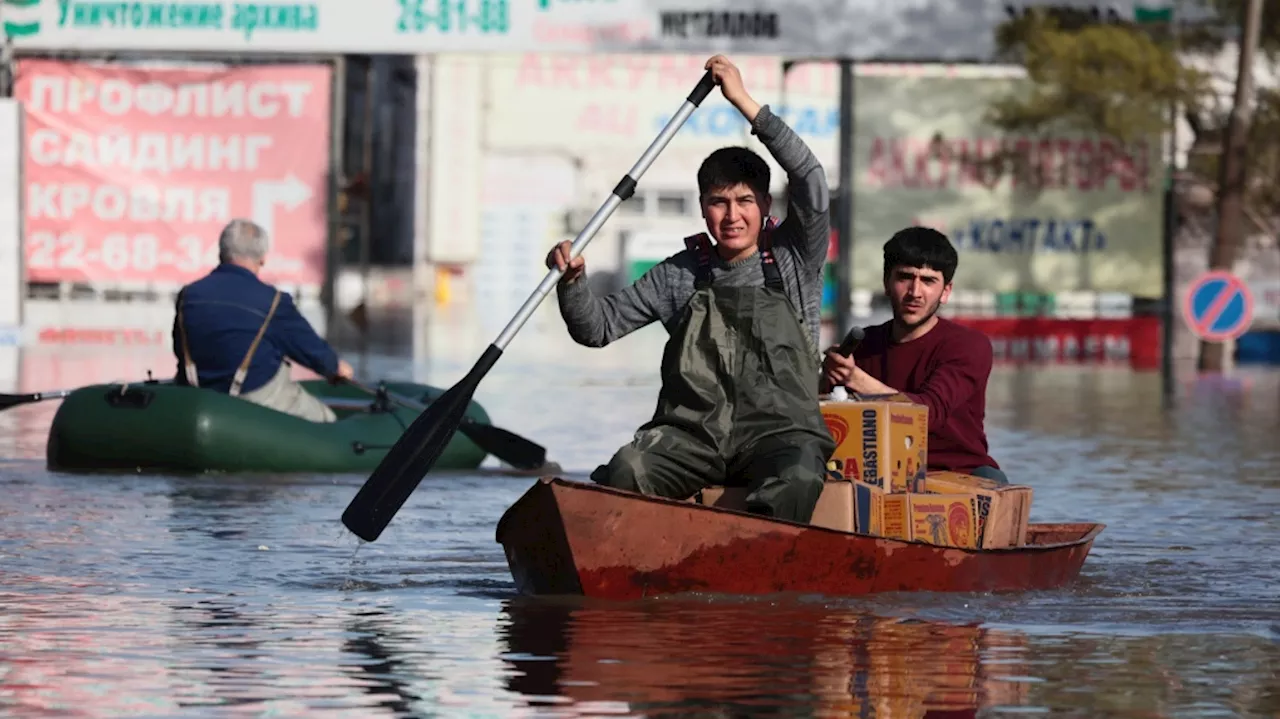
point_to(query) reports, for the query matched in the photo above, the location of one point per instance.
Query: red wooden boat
(576, 538)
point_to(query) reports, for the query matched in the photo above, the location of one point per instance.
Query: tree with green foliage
(1121, 78)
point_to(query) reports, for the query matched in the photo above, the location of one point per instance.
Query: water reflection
(220, 507)
(387, 676)
(662, 658)
(224, 648)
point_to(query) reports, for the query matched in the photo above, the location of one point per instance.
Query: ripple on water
(156, 595)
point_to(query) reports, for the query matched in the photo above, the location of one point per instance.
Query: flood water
(244, 596)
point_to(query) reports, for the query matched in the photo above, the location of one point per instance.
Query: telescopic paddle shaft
(15, 400)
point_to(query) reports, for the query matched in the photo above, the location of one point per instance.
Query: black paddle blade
(851, 341)
(413, 455)
(13, 400)
(505, 445)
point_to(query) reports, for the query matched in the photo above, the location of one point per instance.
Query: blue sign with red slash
(1218, 307)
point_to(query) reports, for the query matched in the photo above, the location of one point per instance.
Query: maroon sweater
(946, 370)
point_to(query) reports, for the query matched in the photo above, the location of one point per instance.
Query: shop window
(634, 206)
(674, 204)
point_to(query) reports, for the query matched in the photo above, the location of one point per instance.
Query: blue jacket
(222, 313)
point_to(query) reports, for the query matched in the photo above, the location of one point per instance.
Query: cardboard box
(895, 517)
(949, 520)
(1002, 510)
(868, 508)
(883, 442)
(946, 520)
(880, 513)
(833, 511)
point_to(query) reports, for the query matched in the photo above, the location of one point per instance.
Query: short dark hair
(921, 247)
(730, 166)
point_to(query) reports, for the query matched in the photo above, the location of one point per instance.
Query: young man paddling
(934, 361)
(739, 396)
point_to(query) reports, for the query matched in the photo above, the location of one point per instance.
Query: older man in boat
(936, 362)
(234, 333)
(739, 397)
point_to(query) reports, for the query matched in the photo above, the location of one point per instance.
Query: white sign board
(10, 220)
(523, 208)
(603, 111)
(642, 250)
(1082, 212)
(902, 30)
(454, 161)
(1266, 302)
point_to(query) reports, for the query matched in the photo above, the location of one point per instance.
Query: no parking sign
(1218, 307)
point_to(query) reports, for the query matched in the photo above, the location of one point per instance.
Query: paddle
(851, 341)
(846, 348)
(503, 444)
(412, 456)
(16, 400)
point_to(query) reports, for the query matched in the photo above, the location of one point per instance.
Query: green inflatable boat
(158, 426)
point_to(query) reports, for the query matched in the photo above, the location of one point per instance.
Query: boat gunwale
(553, 483)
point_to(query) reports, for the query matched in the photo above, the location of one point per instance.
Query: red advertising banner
(130, 173)
(1123, 340)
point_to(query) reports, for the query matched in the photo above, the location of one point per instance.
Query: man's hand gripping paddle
(851, 341)
(846, 348)
(413, 455)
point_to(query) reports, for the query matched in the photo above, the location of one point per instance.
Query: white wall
(10, 221)
(552, 135)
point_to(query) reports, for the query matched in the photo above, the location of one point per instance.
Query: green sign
(242, 17)
(18, 28)
(446, 16)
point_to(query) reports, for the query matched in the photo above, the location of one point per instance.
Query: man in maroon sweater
(934, 361)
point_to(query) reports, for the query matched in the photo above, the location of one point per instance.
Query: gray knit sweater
(799, 244)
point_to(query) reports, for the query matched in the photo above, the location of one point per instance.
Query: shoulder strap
(700, 246)
(188, 365)
(238, 381)
(772, 275)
